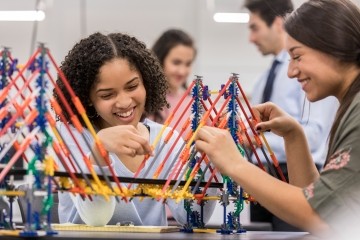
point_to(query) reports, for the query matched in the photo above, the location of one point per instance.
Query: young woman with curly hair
(118, 80)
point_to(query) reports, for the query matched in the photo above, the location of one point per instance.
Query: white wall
(223, 48)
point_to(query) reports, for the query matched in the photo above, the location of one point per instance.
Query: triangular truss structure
(28, 126)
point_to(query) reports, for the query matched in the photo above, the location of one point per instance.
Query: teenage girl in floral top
(324, 44)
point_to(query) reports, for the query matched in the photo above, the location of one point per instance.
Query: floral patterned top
(335, 196)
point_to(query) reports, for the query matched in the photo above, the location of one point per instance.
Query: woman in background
(176, 52)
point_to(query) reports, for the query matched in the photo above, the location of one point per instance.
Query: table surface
(250, 235)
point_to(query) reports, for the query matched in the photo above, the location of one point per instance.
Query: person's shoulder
(352, 114)
(355, 104)
(148, 122)
(61, 127)
(153, 126)
(354, 107)
(156, 127)
(357, 99)
(174, 98)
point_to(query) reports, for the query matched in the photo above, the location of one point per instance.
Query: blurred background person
(176, 52)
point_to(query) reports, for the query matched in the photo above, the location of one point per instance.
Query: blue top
(145, 211)
(316, 118)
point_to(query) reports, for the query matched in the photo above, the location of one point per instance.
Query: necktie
(270, 81)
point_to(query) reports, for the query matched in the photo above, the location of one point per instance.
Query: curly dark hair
(83, 62)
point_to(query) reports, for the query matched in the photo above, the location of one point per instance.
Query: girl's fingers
(262, 127)
(204, 134)
(127, 151)
(200, 145)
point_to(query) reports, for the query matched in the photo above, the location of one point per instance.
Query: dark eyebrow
(132, 80)
(109, 89)
(252, 26)
(293, 48)
(104, 90)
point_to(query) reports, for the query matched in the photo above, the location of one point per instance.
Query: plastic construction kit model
(27, 125)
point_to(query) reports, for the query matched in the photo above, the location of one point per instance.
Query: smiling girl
(324, 44)
(118, 80)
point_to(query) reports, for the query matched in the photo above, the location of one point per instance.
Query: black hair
(268, 10)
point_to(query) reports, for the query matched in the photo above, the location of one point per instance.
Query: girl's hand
(219, 145)
(124, 140)
(271, 117)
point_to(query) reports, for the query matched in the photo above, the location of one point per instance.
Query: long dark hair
(163, 45)
(333, 27)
